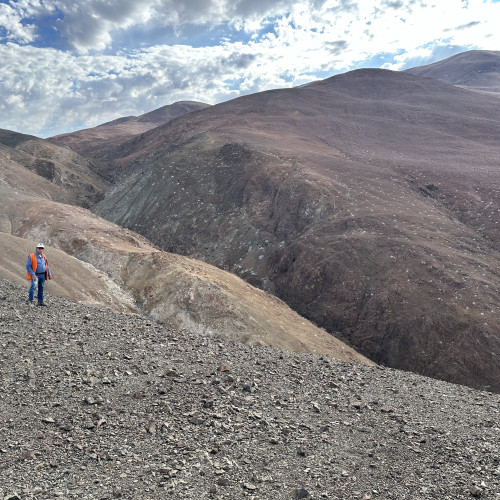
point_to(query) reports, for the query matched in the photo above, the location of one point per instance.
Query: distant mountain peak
(96, 142)
(474, 69)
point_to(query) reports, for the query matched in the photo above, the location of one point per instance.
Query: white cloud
(45, 91)
(65, 90)
(11, 26)
(90, 24)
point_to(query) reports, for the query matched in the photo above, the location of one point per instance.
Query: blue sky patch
(109, 59)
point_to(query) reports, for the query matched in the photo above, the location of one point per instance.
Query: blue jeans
(40, 283)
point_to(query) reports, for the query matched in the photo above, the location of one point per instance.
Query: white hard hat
(40, 245)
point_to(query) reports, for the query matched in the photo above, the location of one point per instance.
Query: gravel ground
(99, 405)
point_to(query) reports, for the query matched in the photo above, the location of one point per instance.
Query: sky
(72, 64)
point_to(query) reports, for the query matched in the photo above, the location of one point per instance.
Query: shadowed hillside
(119, 269)
(369, 202)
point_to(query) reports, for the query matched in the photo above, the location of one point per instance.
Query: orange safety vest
(34, 265)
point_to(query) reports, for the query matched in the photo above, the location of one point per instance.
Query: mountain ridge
(96, 142)
(368, 202)
(345, 190)
(475, 69)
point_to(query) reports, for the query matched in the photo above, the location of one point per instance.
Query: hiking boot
(43, 304)
(31, 303)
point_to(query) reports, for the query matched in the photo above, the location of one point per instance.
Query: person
(37, 270)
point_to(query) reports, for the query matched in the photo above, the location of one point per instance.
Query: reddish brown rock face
(369, 202)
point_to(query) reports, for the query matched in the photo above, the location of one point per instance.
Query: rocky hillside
(95, 261)
(369, 202)
(77, 175)
(98, 142)
(96, 404)
(475, 69)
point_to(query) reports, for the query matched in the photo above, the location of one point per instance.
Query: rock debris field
(99, 405)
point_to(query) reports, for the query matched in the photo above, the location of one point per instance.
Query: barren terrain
(95, 261)
(476, 69)
(369, 202)
(76, 176)
(96, 404)
(98, 142)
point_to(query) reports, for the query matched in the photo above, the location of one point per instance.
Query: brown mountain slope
(119, 269)
(369, 202)
(476, 69)
(97, 142)
(51, 166)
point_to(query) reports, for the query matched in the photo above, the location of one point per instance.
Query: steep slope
(475, 69)
(97, 142)
(173, 289)
(120, 269)
(369, 202)
(76, 175)
(73, 279)
(103, 405)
